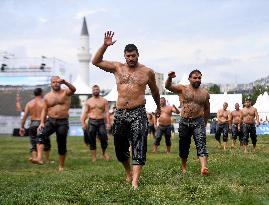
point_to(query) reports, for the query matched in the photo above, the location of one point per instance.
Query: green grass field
(235, 178)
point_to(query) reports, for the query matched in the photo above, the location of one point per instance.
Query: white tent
(81, 87)
(262, 105)
(112, 96)
(216, 100)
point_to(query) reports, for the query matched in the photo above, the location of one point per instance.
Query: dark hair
(130, 48)
(248, 98)
(162, 98)
(38, 91)
(95, 86)
(194, 71)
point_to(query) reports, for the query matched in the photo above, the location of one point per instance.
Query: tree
(256, 91)
(214, 89)
(75, 102)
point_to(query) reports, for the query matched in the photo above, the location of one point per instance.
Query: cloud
(43, 20)
(83, 13)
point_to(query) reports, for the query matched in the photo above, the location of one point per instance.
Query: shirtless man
(223, 125)
(194, 114)
(235, 125)
(164, 125)
(248, 116)
(151, 125)
(34, 108)
(96, 108)
(130, 122)
(56, 106)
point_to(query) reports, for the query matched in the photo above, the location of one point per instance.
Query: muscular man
(235, 124)
(96, 108)
(130, 122)
(56, 106)
(151, 124)
(164, 125)
(34, 108)
(248, 116)
(223, 125)
(194, 114)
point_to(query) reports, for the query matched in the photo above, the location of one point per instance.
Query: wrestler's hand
(84, 126)
(172, 74)
(22, 131)
(158, 112)
(257, 123)
(108, 126)
(61, 81)
(40, 127)
(108, 38)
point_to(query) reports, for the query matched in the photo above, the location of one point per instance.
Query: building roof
(84, 30)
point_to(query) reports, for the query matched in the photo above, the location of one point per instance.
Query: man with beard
(34, 109)
(194, 114)
(223, 125)
(248, 116)
(235, 124)
(56, 106)
(130, 122)
(96, 108)
(164, 125)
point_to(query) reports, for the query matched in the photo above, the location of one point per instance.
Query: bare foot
(135, 185)
(183, 169)
(106, 157)
(94, 159)
(61, 169)
(204, 171)
(129, 177)
(35, 161)
(49, 162)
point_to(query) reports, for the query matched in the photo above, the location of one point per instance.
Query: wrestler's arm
(171, 87)
(84, 115)
(154, 90)
(25, 115)
(175, 109)
(257, 117)
(230, 119)
(107, 113)
(72, 88)
(98, 61)
(207, 109)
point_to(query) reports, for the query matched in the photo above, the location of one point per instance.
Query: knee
(139, 162)
(62, 151)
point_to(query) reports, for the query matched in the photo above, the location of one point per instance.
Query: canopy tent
(262, 105)
(216, 100)
(81, 87)
(112, 96)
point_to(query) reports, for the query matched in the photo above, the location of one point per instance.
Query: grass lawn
(235, 178)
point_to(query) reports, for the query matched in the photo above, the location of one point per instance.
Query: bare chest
(60, 99)
(190, 96)
(96, 104)
(134, 78)
(248, 112)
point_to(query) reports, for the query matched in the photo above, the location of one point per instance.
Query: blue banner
(75, 131)
(262, 129)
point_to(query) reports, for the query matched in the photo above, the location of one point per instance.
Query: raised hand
(108, 38)
(61, 81)
(172, 74)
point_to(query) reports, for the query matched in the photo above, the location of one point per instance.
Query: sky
(228, 40)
